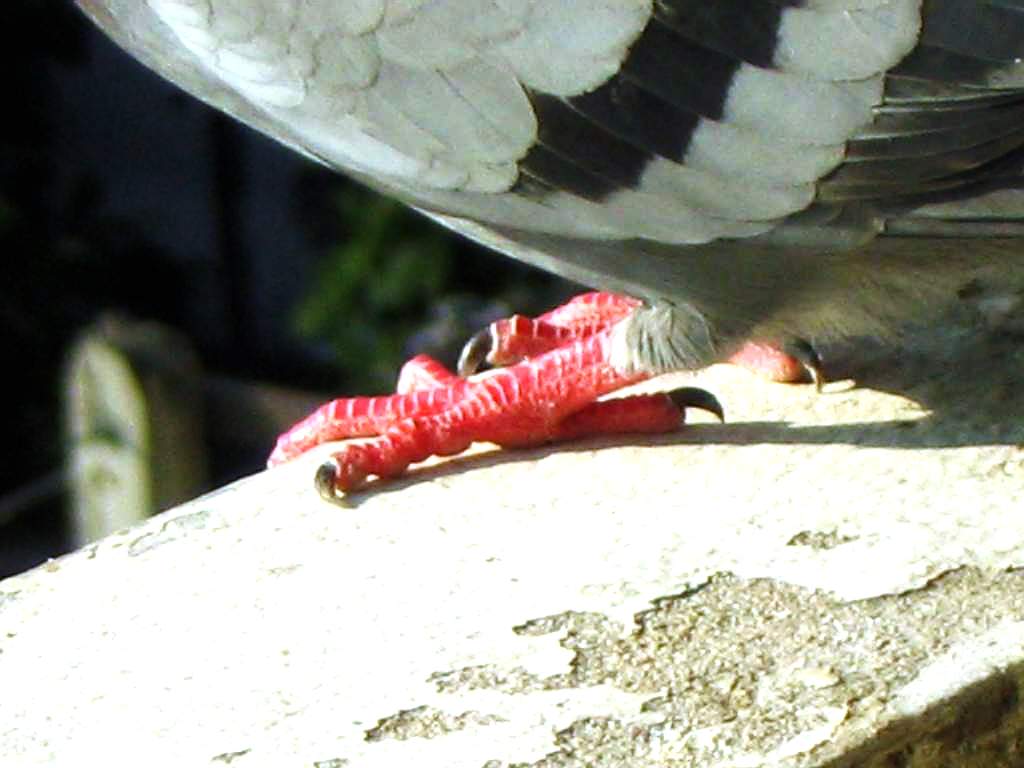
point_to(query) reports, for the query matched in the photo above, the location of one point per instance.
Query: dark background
(119, 193)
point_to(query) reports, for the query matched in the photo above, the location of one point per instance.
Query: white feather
(734, 151)
(847, 44)
(795, 108)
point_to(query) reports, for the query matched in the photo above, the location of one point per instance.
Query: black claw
(324, 482)
(475, 353)
(694, 397)
(807, 355)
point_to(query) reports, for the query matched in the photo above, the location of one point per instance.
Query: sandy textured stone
(823, 581)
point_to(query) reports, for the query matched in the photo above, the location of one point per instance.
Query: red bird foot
(556, 369)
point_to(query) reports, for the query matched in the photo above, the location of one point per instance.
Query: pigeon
(719, 171)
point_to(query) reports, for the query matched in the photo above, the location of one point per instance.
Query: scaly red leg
(513, 339)
(545, 398)
(516, 338)
(557, 368)
(775, 364)
(424, 387)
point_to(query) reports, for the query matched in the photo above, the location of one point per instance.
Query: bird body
(745, 166)
(768, 169)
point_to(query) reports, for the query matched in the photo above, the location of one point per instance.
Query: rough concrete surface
(826, 580)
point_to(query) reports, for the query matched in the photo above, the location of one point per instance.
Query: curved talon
(817, 377)
(325, 482)
(474, 353)
(805, 353)
(695, 397)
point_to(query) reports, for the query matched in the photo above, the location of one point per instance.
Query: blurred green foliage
(397, 284)
(374, 289)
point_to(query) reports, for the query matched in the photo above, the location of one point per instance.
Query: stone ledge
(824, 581)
